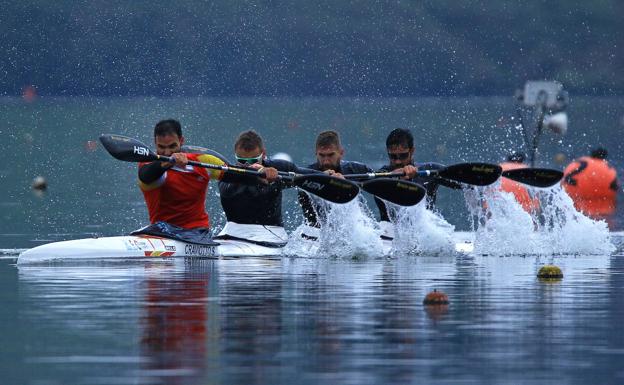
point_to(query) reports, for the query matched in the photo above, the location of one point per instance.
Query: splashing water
(418, 230)
(347, 231)
(503, 227)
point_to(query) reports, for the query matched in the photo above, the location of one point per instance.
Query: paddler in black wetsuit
(258, 203)
(400, 148)
(329, 154)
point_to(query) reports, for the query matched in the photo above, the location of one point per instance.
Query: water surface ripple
(309, 320)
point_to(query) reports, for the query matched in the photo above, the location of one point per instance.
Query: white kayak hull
(235, 240)
(131, 246)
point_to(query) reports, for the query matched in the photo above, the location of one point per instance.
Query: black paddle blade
(538, 177)
(127, 149)
(328, 187)
(397, 191)
(479, 174)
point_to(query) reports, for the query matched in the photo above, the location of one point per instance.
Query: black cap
(599, 153)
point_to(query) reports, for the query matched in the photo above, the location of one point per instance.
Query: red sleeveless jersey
(179, 196)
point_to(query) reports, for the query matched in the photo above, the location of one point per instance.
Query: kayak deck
(140, 247)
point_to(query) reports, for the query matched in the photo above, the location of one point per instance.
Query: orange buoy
(29, 94)
(529, 204)
(592, 184)
(436, 298)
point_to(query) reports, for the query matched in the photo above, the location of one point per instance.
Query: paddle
(538, 177)
(397, 191)
(324, 186)
(479, 174)
(403, 193)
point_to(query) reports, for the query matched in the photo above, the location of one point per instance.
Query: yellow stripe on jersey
(212, 159)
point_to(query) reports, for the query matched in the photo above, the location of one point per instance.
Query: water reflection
(177, 321)
(296, 320)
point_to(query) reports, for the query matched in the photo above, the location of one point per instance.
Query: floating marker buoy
(39, 184)
(436, 298)
(560, 158)
(91, 145)
(550, 272)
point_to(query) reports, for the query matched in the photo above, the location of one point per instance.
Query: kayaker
(175, 193)
(329, 154)
(514, 161)
(592, 184)
(261, 202)
(400, 149)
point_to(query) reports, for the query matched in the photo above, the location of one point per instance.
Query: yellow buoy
(550, 272)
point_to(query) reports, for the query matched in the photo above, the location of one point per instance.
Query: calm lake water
(291, 319)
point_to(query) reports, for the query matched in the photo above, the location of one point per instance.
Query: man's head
(599, 153)
(249, 148)
(168, 137)
(400, 147)
(329, 151)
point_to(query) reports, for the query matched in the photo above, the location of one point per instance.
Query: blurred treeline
(299, 48)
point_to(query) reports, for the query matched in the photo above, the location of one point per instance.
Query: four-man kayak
(235, 240)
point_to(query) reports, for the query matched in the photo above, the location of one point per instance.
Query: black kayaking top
(430, 183)
(311, 210)
(256, 202)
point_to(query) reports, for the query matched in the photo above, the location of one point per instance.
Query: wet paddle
(479, 174)
(324, 186)
(538, 177)
(397, 191)
(403, 193)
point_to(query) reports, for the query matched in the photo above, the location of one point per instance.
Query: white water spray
(347, 231)
(418, 230)
(504, 228)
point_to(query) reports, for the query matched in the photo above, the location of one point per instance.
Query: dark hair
(168, 127)
(400, 137)
(249, 140)
(516, 157)
(328, 138)
(599, 153)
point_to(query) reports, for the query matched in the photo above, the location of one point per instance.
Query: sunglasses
(399, 155)
(253, 160)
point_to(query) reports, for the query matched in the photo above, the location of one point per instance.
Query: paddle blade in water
(127, 149)
(479, 174)
(397, 191)
(330, 188)
(538, 177)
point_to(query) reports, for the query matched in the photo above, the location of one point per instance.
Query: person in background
(400, 149)
(514, 161)
(592, 184)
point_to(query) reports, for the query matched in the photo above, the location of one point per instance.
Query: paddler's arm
(151, 172)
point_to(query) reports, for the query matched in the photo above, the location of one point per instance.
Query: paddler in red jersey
(592, 184)
(514, 161)
(175, 193)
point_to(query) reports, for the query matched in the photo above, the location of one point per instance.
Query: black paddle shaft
(327, 187)
(479, 174)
